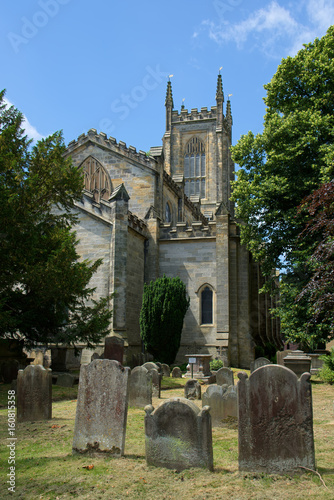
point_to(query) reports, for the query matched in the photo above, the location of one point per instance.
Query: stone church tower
(170, 213)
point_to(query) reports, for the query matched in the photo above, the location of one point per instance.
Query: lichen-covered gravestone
(224, 376)
(275, 421)
(102, 408)
(178, 435)
(34, 394)
(140, 390)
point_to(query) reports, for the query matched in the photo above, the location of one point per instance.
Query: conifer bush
(164, 306)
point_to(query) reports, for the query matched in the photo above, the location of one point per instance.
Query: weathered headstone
(149, 365)
(165, 370)
(280, 355)
(178, 435)
(275, 421)
(65, 380)
(114, 348)
(192, 389)
(176, 372)
(140, 390)
(258, 363)
(224, 376)
(102, 408)
(34, 394)
(156, 383)
(222, 400)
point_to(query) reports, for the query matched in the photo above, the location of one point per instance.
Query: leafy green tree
(280, 167)
(164, 306)
(44, 287)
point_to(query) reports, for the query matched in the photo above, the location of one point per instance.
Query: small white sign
(192, 360)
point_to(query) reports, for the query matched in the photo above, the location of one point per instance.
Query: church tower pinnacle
(169, 105)
(219, 100)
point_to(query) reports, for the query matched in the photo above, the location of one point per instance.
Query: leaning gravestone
(34, 394)
(178, 435)
(65, 380)
(258, 363)
(224, 376)
(102, 408)
(156, 383)
(275, 421)
(140, 390)
(192, 389)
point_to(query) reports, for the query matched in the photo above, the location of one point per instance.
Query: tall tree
(44, 287)
(164, 306)
(287, 162)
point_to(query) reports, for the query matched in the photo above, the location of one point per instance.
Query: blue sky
(75, 65)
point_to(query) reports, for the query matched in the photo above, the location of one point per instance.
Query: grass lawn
(46, 469)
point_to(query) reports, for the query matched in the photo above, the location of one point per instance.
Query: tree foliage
(44, 287)
(283, 165)
(164, 306)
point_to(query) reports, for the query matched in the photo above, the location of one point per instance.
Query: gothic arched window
(206, 305)
(96, 179)
(195, 168)
(168, 213)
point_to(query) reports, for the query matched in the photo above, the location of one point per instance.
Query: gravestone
(156, 383)
(298, 362)
(280, 355)
(222, 400)
(149, 365)
(224, 376)
(114, 348)
(176, 372)
(192, 389)
(102, 408)
(140, 390)
(165, 370)
(258, 363)
(65, 380)
(34, 394)
(275, 421)
(178, 435)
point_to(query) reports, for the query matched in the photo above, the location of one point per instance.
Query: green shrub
(215, 364)
(327, 371)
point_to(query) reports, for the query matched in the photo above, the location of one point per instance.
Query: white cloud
(30, 130)
(273, 27)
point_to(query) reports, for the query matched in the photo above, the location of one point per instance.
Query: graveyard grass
(46, 468)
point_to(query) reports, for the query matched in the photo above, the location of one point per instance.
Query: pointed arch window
(195, 168)
(96, 179)
(206, 305)
(168, 213)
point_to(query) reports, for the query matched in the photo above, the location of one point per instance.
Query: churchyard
(46, 468)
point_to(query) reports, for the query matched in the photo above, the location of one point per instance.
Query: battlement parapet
(194, 114)
(110, 143)
(137, 224)
(183, 231)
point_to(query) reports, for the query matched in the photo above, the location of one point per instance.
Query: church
(169, 212)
